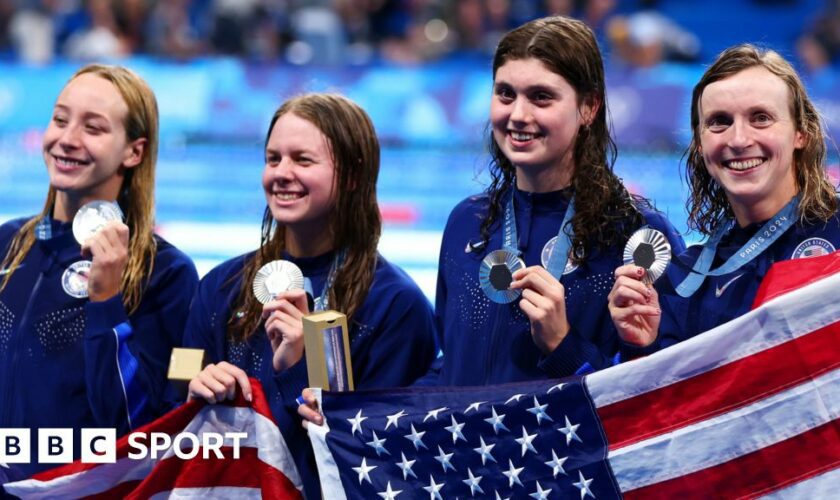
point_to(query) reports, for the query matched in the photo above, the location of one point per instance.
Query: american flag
(264, 469)
(748, 409)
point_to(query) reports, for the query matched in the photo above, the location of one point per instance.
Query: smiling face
(299, 177)
(748, 138)
(85, 145)
(536, 117)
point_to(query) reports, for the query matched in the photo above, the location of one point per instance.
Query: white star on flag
(556, 464)
(472, 482)
(433, 414)
(378, 445)
(455, 429)
(484, 451)
(416, 438)
(357, 422)
(583, 485)
(540, 494)
(557, 387)
(474, 406)
(405, 465)
(526, 441)
(444, 458)
(389, 494)
(515, 397)
(498, 497)
(570, 431)
(394, 419)
(434, 489)
(539, 411)
(496, 421)
(364, 470)
(513, 474)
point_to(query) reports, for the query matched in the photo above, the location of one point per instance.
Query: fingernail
(319, 420)
(248, 398)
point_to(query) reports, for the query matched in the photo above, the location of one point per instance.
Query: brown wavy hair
(605, 212)
(355, 221)
(707, 204)
(136, 196)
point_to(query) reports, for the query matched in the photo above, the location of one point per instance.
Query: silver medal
(92, 216)
(275, 277)
(496, 274)
(74, 280)
(648, 248)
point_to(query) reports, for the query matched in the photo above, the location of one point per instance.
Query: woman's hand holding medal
(633, 302)
(108, 250)
(634, 306)
(544, 303)
(283, 317)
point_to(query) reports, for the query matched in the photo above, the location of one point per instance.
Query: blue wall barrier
(442, 105)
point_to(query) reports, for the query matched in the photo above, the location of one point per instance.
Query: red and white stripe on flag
(751, 408)
(264, 469)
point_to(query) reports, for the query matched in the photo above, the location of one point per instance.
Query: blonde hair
(136, 195)
(707, 204)
(355, 221)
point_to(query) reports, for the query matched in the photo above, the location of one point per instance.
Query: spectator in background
(480, 25)
(174, 30)
(231, 20)
(131, 18)
(559, 7)
(7, 11)
(818, 47)
(32, 32)
(102, 39)
(647, 38)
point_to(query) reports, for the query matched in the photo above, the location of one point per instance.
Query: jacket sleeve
(577, 355)
(126, 357)
(404, 344)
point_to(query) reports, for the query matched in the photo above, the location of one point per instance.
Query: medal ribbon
(43, 230)
(560, 253)
(322, 303)
(769, 232)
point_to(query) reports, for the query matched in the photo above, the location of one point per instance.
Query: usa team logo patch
(812, 247)
(75, 279)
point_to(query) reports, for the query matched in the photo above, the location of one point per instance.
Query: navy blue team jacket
(487, 343)
(69, 363)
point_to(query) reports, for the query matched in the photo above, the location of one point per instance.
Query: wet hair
(605, 213)
(707, 204)
(136, 196)
(354, 219)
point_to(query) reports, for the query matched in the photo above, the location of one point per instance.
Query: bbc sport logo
(55, 446)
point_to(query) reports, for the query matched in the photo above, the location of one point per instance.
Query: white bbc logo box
(55, 446)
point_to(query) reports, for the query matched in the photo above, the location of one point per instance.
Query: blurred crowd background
(421, 68)
(358, 32)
